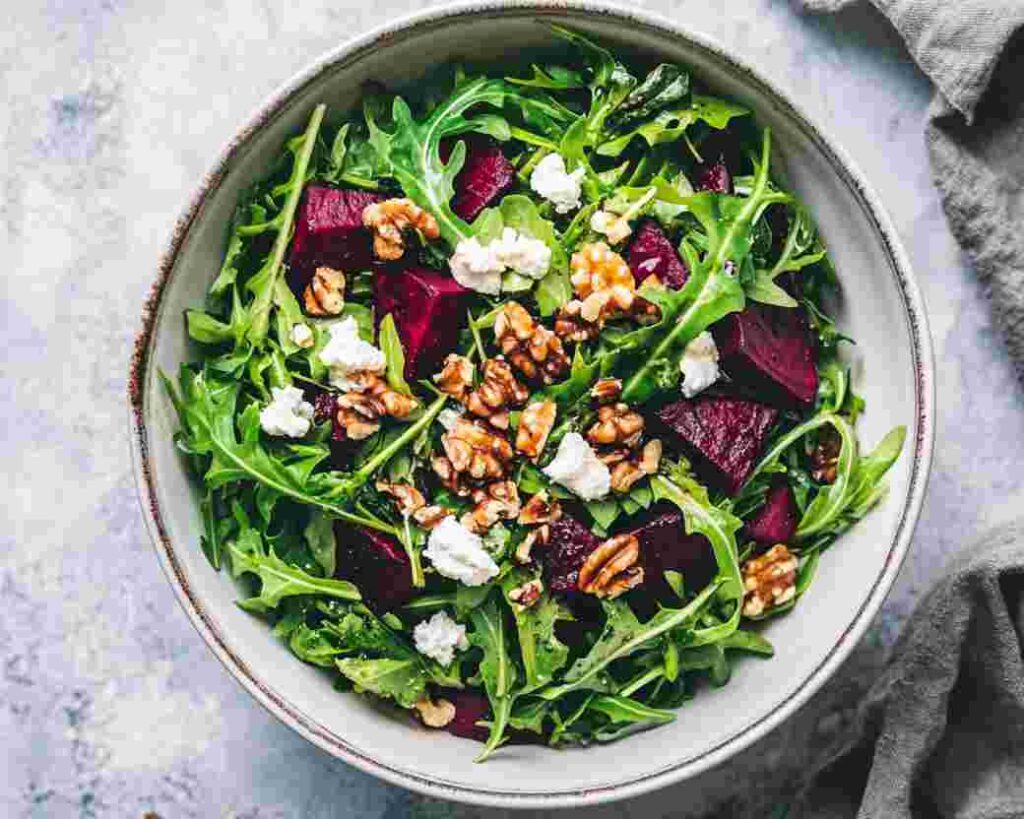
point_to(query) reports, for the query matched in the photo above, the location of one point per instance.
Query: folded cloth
(973, 52)
(942, 731)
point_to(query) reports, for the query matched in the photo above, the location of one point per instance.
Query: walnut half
(769, 580)
(612, 568)
(390, 219)
(434, 713)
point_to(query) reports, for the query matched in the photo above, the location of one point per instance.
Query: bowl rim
(351, 51)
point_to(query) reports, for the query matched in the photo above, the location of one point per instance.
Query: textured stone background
(110, 705)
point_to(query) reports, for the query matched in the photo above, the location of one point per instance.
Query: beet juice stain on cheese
(518, 401)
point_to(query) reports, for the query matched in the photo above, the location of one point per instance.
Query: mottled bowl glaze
(883, 310)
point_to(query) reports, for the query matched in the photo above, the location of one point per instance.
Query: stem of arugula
(363, 474)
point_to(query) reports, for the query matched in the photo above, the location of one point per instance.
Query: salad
(517, 401)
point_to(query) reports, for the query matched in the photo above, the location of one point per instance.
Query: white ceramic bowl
(883, 311)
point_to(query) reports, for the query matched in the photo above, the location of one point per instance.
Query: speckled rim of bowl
(352, 51)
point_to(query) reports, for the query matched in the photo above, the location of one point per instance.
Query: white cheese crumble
(615, 227)
(302, 336)
(438, 638)
(577, 467)
(551, 181)
(459, 554)
(449, 416)
(479, 267)
(347, 354)
(287, 415)
(699, 364)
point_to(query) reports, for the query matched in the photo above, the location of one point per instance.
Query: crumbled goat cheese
(438, 638)
(459, 554)
(347, 354)
(302, 336)
(615, 227)
(551, 181)
(479, 267)
(699, 364)
(449, 416)
(287, 414)
(578, 469)
(523, 254)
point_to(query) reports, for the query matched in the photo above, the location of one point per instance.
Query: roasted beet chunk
(485, 176)
(376, 563)
(429, 308)
(329, 231)
(775, 522)
(665, 546)
(652, 254)
(568, 547)
(770, 348)
(724, 436)
(715, 178)
(470, 707)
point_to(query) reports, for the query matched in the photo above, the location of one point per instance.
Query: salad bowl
(891, 366)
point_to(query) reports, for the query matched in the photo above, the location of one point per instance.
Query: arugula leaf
(319, 535)
(394, 355)
(622, 635)
(665, 85)
(672, 123)
(497, 670)
(542, 653)
(264, 284)
(550, 77)
(402, 679)
(626, 710)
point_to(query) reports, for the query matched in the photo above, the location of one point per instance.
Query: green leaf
(749, 641)
(497, 670)
(211, 542)
(313, 645)
(671, 124)
(394, 356)
(319, 535)
(665, 85)
(621, 636)
(763, 289)
(626, 710)
(551, 77)
(264, 285)
(542, 654)
(404, 679)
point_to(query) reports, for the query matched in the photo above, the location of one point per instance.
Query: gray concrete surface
(110, 705)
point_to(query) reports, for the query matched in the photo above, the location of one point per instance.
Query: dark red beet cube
(651, 254)
(770, 349)
(429, 309)
(376, 563)
(471, 706)
(775, 522)
(715, 178)
(486, 175)
(568, 547)
(329, 231)
(723, 436)
(665, 546)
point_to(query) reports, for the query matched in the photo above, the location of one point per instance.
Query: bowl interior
(892, 356)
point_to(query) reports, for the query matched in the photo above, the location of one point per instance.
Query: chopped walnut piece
(535, 425)
(531, 348)
(390, 219)
(541, 535)
(603, 280)
(456, 376)
(478, 453)
(541, 508)
(325, 293)
(825, 458)
(769, 580)
(451, 479)
(499, 501)
(570, 326)
(498, 392)
(407, 498)
(430, 516)
(434, 713)
(606, 390)
(616, 424)
(627, 471)
(360, 411)
(612, 568)
(527, 594)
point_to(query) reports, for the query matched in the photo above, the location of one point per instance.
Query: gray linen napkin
(942, 731)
